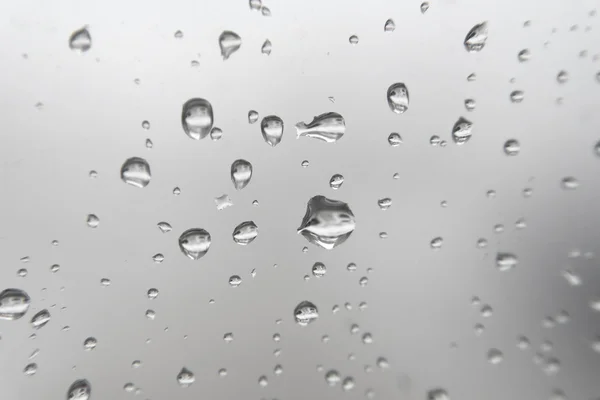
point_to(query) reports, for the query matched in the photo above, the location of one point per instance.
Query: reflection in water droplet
(197, 118)
(245, 233)
(92, 221)
(353, 40)
(136, 172)
(40, 319)
(194, 243)
(332, 377)
(475, 39)
(79, 390)
(512, 147)
(506, 261)
(80, 40)
(229, 42)
(524, 55)
(397, 98)
(562, 77)
(336, 181)
(252, 116)
(569, 183)
(30, 369)
(327, 223)
(461, 132)
(394, 139)
(90, 343)
(223, 202)
(517, 96)
(266, 47)
(319, 270)
(495, 356)
(241, 173)
(235, 281)
(305, 313)
(164, 227)
(272, 129)
(328, 127)
(185, 377)
(389, 26)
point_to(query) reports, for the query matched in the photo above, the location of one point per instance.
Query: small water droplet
(197, 118)
(252, 116)
(194, 243)
(40, 319)
(272, 129)
(506, 261)
(222, 372)
(396, 175)
(185, 377)
(436, 243)
(348, 383)
(517, 96)
(178, 35)
(367, 338)
(470, 104)
(319, 270)
(390, 26)
(90, 343)
(265, 11)
(92, 221)
(194, 63)
(235, 281)
(551, 366)
(520, 223)
(486, 311)
(150, 314)
(79, 390)
(353, 40)
(475, 39)
(569, 183)
(384, 203)
(327, 223)
(562, 76)
(512, 147)
(524, 55)
(105, 282)
(216, 133)
(332, 377)
(255, 4)
(136, 172)
(394, 139)
(336, 181)
(245, 233)
(328, 127)
(472, 77)
(93, 174)
(228, 337)
(461, 132)
(495, 356)
(152, 293)
(30, 369)
(424, 7)
(305, 313)
(146, 125)
(397, 98)
(158, 258)
(229, 42)
(434, 140)
(22, 272)
(479, 328)
(266, 47)
(164, 227)
(80, 40)
(572, 278)
(351, 267)
(438, 394)
(263, 381)
(241, 173)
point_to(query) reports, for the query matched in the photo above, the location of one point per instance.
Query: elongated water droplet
(506, 261)
(241, 173)
(384, 203)
(461, 132)
(524, 55)
(92, 221)
(438, 394)
(305, 313)
(197, 118)
(327, 223)
(229, 42)
(14, 303)
(40, 319)
(164, 227)
(272, 129)
(390, 26)
(397, 98)
(570, 183)
(353, 40)
(185, 377)
(194, 243)
(475, 39)
(328, 127)
(512, 147)
(266, 47)
(562, 76)
(158, 258)
(336, 181)
(80, 40)
(394, 139)
(79, 390)
(223, 202)
(30, 369)
(252, 116)
(495, 356)
(136, 172)
(245, 233)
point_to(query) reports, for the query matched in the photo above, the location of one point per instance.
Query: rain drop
(229, 42)
(353, 40)
(252, 116)
(517, 96)
(79, 390)
(470, 104)
(397, 98)
(266, 47)
(506, 261)
(272, 129)
(14, 303)
(524, 55)
(512, 147)
(562, 76)
(569, 183)
(461, 132)
(394, 139)
(332, 377)
(80, 40)
(475, 39)
(197, 118)
(245, 233)
(40, 319)
(328, 127)
(90, 343)
(336, 181)
(319, 270)
(495, 356)
(305, 313)
(185, 377)
(92, 221)
(194, 243)
(241, 173)
(327, 223)
(136, 172)
(164, 227)
(30, 369)
(389, 26)
(235, 281)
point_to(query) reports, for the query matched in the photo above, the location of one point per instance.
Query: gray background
(418, 299)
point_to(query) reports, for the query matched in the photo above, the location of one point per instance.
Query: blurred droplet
(265, 11)
(30, 369)
(506, 261)
(470, 104)
(517, 96)
(80, 40)
(263, 381)
(327, 223)
(164, 227)
(197, 118)
(332, 377)
(348, 383)
(92, 221)
(397, 98)
(105, 282)
(562, 77)
(305, 313)
(569, 183)
(438, 394)
(146, 125)
(328, 127)
(512, 147)
(194, 243)
(367, 338)
(424, 7)
(304, 163)
(245, 233)
(229, 42)
(436, 243)
(472, 77)
(150, 314)
(178, 35)
(266, 47)
(524, 55)
(216, 133)
(353, 39)
(572, 278)
(241, 173)
(272, 129)
(486, 311)
(389, 26)
(255, 5)
(135, 171)
(475, 39)
(495, 356)
(93, 174)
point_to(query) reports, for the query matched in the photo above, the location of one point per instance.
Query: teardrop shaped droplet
(305, 313)
(79, 390)
(194, 243)
(14, 303)
(245, 233)
(272, 129)
(336, 181)
(40, 319)
(327, 223)
(241, 173)
(80, 40)
(328, 127)
(390, 26)
(135, 171)
(229, 42)
(185, 377)
(461, 132)
(475, 39)
(506, 261)
(266, 47)
(512, 147)
(197, 118)
(397, 97)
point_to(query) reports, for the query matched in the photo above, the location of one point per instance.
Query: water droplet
(252, 116)
(93, 174)
(146, 125)
(223, 202)
(235, 281)
(319, 270)
(197, 118)
(363, 281)
(351, 267)
(272, 129)
(255, 4)
(241, 173)
(558, 394)
(129, 387)
(524, 55)
(562, 76)
(397, 98)
(152, 293)
(506, 261)
(216, 133)
(384, 203)
(229, 42)
(552, 366)
(461, 132)
(22, 272)
(164, 227)
(158, 258)
(470, 104)
(276, 337)
(523, 343)
(495, 356)
(79, 390)
(475, 39)
(40, 319)
(30, 369)
(517, 96)
(80, 40)
(434, 140)
(178, 35)
(185, 377)
(136, 172)
(486, 311)
(336, 181)
(348, 383)
(92, 221)
(228, 337)
(263, 381)
(304, 163)
(245, 233)
(479, 328)
(150, 314)
(14, 303)
(527, 192)
(596, 345)
(436, 243)
(332, 377)
(353, 40)
(222, 372)
(367, 338)
(195, 63)
(438, 394)
(394, 139)
(424, 7)
(90, 343)
(472, 77)
(569, 183)
(328, 127)
(327, 223)
(390, 26)
(266, 12)
(512, 147)
(266, 47)
(305, 313)
(194, 243)
(572, 278)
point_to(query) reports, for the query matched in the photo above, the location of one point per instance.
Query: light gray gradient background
(418, 299)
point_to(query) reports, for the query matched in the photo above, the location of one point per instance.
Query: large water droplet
(397, 97)
(305, 313)
(197, 118)
(319, 270)
(461, 132)
(229, 42)
(40, 319)
(241, 173)
(79, 390)
(14, 303)
(136, 172)
(512, 147)
(80, 40)
(272, 129)
(329, 127)
(245, 233)
(185, 377)
(475, 39)
(506, 261)
(327, 223)
(195, 243)
(390, 26)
